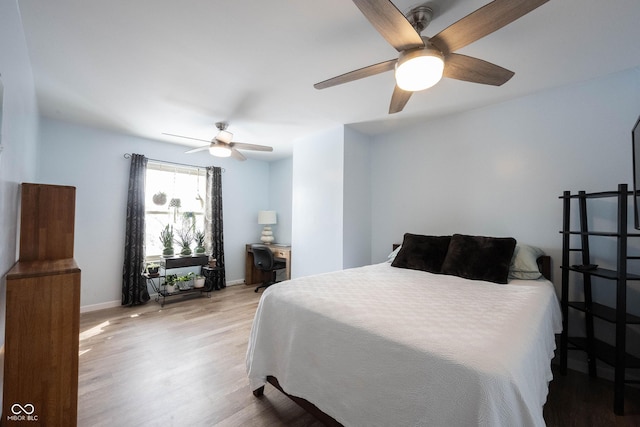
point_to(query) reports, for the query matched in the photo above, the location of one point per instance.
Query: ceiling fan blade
(195, 150)
(462, 67)
(188, 137)
(360, 73)
(237, 155)
(254, 147)
(399, 100)
(390, 23)
(484, 21)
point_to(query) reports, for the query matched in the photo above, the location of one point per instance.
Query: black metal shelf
(599, 233)
(613, 355)
(603, 312)
(182, 292)
(605, 352)
(156, 280)
(603, 272)
(596, 195)
(156, 283)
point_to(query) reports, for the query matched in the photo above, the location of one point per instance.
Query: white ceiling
(145, 67)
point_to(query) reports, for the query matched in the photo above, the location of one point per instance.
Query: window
(174, 196)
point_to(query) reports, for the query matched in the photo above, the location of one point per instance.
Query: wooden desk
(254, 276)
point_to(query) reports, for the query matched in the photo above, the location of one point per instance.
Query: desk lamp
(267, 218)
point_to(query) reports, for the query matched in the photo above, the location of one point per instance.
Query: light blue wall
(331, 202)
(318, 174)
(92, 160)
(357, 230)
(280, 197)
(19, 133)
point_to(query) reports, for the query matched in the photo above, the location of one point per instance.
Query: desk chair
(263, 260)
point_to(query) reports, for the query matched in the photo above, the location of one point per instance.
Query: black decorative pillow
(479, 258)
(426, 253)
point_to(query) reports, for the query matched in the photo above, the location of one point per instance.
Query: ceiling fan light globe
(419, 69)
(220, 151)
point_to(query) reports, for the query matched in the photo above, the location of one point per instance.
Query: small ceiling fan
(423, 61)
(222, 145)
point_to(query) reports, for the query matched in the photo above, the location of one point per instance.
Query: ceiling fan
(222, 145)
(423, 61)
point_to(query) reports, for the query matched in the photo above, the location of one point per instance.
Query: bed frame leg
(258, 392)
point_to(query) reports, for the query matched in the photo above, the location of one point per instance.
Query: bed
(396, 344)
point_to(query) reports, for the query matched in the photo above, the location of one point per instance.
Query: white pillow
(393, 254)
(524, 264)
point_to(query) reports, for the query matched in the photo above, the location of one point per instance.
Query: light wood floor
(184, 365)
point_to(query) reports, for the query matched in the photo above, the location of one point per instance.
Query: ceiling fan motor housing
(420, 16)
(429, 49)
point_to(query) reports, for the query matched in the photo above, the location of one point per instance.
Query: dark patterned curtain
(213, 222)
(134, 286)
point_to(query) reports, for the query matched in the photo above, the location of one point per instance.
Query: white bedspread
(383, 346)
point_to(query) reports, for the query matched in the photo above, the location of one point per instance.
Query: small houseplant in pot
(184, 239)
(199, 238)
(198, 282)
(166, 238)
(170, 283)
(152, 269)
(184, 283)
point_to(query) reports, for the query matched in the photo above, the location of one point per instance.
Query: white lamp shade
(419, 69)
(267, 217)
(219, 151)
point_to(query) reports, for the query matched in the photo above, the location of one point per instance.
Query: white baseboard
(101, 306)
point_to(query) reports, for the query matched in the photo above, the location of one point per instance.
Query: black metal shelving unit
(156, 281)
(614, 355)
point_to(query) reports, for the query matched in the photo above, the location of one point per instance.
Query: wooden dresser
(40, 386)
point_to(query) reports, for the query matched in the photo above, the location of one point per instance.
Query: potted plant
(175, 204)
(184, 239)
(189, 219)
(170, 283)
(185, 282)
(160, 198)
(198, 282)
(166, 238)
(199, 238)
(152, 269)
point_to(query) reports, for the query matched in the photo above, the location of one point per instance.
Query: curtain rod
(128, 156)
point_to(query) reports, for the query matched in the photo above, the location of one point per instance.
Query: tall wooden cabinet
(612, 352)
(40, 384)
